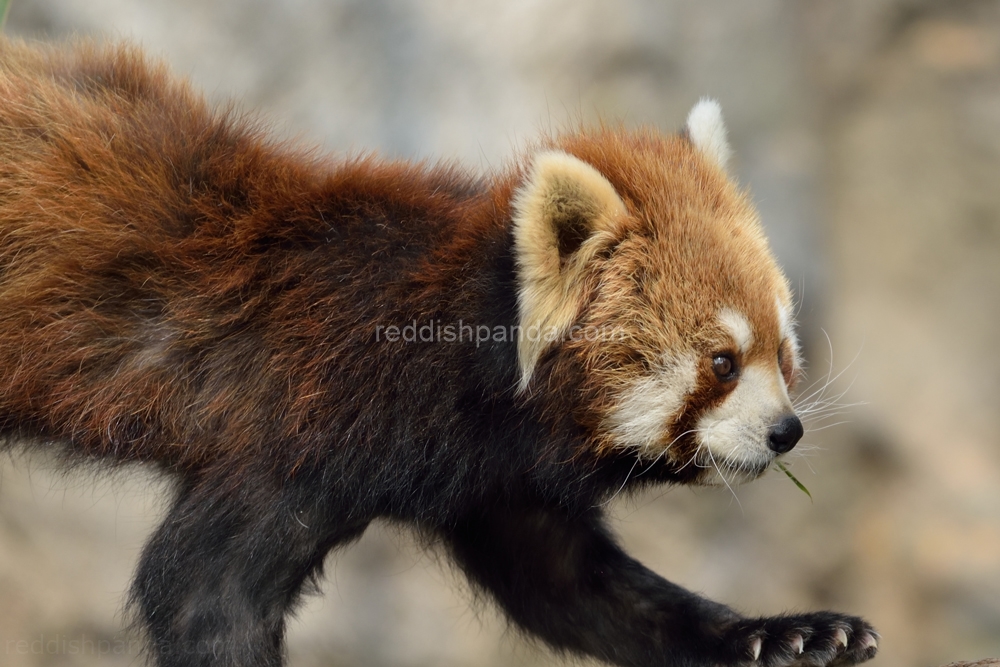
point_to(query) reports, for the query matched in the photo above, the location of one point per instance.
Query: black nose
(785, 434)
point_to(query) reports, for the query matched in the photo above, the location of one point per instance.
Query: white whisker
(817, 404)
(718, 471)
(624, 482)
(818, 395)
(647, 468)
(813, 429)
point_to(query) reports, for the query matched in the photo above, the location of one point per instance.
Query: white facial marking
(738, 327)
(708, 131)
(735, 433)
(646, 410)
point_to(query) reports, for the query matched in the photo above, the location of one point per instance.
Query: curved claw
(755, 648)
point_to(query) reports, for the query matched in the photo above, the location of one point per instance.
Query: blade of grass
(802, 487)
(4, 6)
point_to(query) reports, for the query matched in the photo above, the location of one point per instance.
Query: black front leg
(565, 580)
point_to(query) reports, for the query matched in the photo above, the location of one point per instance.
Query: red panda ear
(707, 131)
(561, 212)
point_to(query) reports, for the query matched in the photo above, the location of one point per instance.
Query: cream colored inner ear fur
(559, 187)
(708, 131)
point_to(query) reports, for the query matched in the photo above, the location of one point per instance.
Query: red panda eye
(724, 367)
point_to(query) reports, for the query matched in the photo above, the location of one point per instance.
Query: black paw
(820, 639)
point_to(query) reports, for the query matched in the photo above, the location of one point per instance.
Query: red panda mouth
(726, 472)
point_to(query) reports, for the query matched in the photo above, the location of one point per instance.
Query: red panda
(307, 344)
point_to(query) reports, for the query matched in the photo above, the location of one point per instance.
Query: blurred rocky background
(869, 133)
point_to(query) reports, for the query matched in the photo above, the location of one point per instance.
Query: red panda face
(640, 261)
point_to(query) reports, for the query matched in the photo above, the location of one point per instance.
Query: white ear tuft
(708, 131)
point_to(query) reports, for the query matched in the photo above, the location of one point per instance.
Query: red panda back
(173, 285)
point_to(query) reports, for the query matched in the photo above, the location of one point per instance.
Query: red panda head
(640, 262)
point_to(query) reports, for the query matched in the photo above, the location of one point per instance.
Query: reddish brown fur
(115, 173)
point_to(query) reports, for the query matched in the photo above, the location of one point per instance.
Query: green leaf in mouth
(802, 487)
